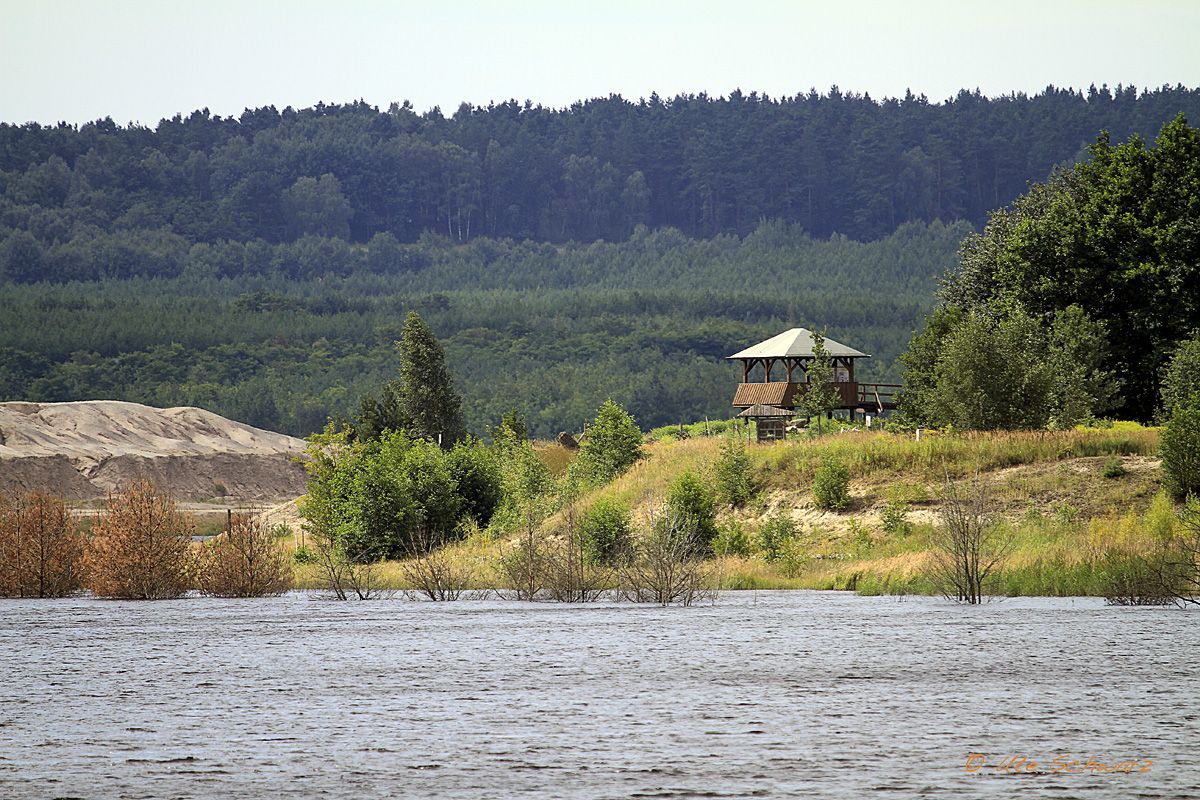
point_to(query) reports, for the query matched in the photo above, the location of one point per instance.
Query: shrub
(612, 444)
(476, 475)
(605, 530)
(1113, 468)
(244, 561)
(668, 565)
(831, 486)
(732, 473)
(731, 539)
(690, 503)
(141, 548)
(895, 518)
(1180, 443)
(41, 552)
(1182, 378)
(775, 536)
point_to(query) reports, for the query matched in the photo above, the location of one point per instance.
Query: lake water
(768, 694)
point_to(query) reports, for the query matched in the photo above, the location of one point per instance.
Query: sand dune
(84, 450)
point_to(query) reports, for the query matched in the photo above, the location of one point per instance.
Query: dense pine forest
(552, 330)
(261, 266)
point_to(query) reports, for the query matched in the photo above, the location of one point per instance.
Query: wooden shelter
(788, 356)
(770, 422)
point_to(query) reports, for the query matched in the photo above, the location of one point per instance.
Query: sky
(138, 61)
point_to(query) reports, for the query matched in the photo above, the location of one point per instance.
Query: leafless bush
(571, 574)
(431, 570)
(246, 560)
(968, 545)
(1179, 568)
(341, 574)
(141, 547)
(41, 552)
(667, 566)
(523, 567)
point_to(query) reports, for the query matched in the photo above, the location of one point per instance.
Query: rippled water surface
(763, 695)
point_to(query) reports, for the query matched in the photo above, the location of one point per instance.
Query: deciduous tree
(140, 548)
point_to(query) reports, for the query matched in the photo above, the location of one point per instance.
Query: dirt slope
(84, 450)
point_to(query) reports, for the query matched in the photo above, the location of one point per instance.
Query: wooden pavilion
(784, 361)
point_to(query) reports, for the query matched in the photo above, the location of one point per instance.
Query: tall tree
(426, 398)
(820, 395)
(1114, 235)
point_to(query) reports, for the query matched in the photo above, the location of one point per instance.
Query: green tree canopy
(612, 444)
(820, 395)
(1181, 381)
(1115, 235)
(1001, 368)
(425, 396)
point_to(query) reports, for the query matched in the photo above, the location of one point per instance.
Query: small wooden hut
(770, 422)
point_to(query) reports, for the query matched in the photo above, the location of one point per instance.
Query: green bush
(1180, 443)
(775, 536)
(895, 518)
(612, 444)
(732, 472)
(831, 486)
(606, 532)
(476, 473)
(731, 539)
(1182, 378)
(1113, 468)
(690, 501)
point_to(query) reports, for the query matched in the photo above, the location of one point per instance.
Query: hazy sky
(141, 61)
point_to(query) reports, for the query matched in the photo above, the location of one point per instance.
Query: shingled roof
(796, 343)
(760, 410)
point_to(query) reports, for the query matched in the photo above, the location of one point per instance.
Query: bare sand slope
(84, 450)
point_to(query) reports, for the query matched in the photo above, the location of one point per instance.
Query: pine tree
(426, 396)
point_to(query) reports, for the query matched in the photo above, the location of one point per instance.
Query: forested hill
(551, 329)
(101, 200)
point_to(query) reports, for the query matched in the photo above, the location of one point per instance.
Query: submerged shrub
(41, 552)
(831, 485)
(244, 561)
(141, 548)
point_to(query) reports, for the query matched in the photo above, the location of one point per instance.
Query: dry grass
(556, 457)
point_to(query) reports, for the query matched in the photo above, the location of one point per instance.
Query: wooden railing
(878, 396)
(871, 397)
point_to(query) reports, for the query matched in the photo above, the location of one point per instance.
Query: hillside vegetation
(1067, 519)
(554, 330)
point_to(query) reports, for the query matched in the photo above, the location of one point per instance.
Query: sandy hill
(84, 450)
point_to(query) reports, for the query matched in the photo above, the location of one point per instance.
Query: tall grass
(877, 454)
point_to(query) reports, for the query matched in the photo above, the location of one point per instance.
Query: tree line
(104, 200)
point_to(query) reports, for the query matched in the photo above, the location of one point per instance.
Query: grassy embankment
(1068, 521)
